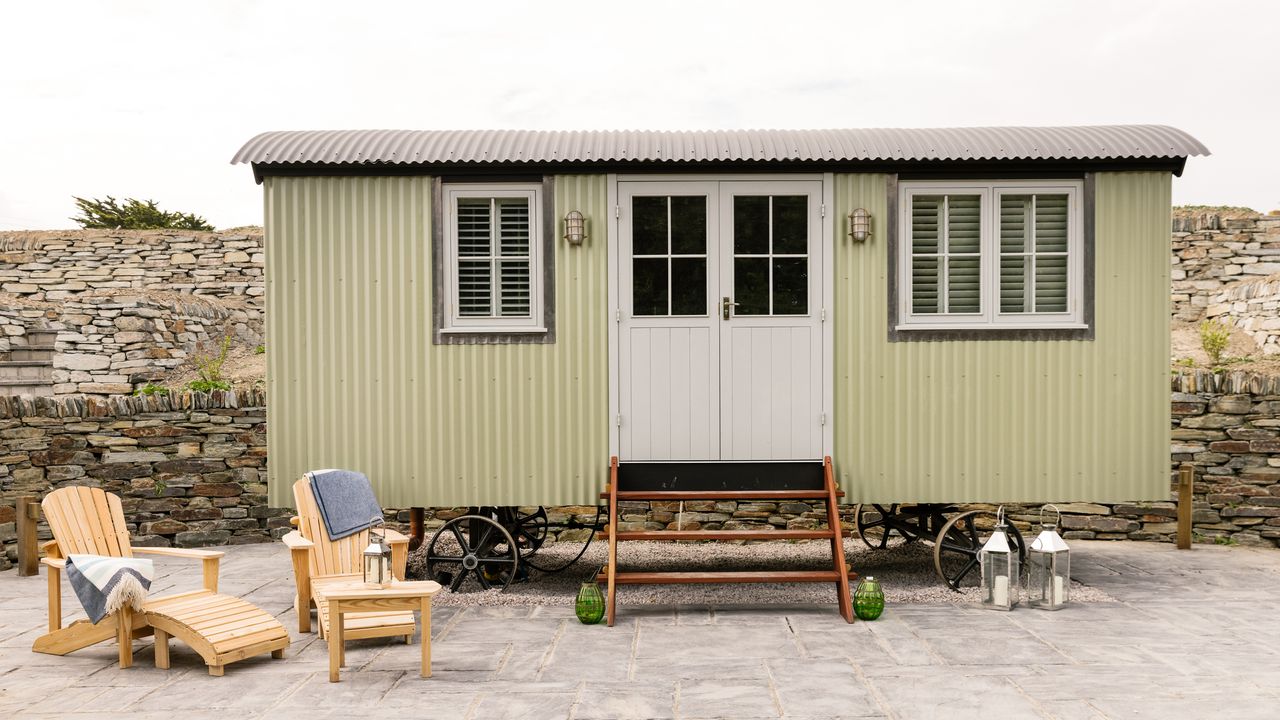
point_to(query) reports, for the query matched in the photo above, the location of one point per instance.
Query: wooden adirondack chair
(221, 628)
(320, 563)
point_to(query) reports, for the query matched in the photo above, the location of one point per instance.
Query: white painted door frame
(825, 280)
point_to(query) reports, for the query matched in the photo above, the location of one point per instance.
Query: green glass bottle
(590, 604)
(868, 599)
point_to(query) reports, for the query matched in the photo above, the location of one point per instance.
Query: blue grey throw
(346, 501)
(105, 584)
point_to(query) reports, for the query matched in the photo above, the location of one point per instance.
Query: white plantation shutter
(926, 244)
(514, 291)
(946, 254)
(964, 254)
(1034, 252)
(979, 254)
(493, 245)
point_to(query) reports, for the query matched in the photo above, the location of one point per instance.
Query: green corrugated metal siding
(1009, 421)
(355, 381)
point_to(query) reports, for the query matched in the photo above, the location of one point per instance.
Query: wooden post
(28, 514)
(416, 515)
(1186, 479)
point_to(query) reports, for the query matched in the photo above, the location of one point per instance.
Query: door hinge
(823, 208)
(617, 420)
(822, 316)
(617, 211)
(822, 418)
(617, 315)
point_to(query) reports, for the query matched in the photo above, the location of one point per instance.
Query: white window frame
(989, 316)
(453, 321)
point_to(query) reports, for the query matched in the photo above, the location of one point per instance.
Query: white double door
(720, 343)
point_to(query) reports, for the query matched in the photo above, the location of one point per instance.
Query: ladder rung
(750, 576)
(721, 534)
(819, 494)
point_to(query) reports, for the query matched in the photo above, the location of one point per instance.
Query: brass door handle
(725, 304)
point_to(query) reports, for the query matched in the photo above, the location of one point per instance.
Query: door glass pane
(649, 286)
(689, 225)
(649, 226)
(751, 224)
(688, 286)
(751, 286)
(790, 224)
(790, 286)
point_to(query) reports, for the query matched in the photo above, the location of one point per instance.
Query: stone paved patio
(1193, 635)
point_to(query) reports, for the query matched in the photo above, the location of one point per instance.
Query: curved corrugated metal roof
(1096, 142)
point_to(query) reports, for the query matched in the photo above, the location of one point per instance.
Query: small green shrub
(205, 386)
(259, 350)
(1225, 540)
(133, 214)
(160, 487)
(151, 389)
(1214, 336)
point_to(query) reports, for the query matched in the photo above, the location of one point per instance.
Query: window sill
(492, 331)
(979, 328)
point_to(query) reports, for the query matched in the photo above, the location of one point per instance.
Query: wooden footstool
(355, 596)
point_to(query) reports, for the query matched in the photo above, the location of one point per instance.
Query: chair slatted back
(330, 557)
(87, 520)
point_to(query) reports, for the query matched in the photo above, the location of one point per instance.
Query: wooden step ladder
(828, 493)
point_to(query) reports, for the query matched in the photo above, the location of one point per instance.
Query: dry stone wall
(66, 264)
(192, 471)
(1214, 251)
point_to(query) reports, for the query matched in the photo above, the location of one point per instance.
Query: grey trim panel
(1088, 284)
(549, 220)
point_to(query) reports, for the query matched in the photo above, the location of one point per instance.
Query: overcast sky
(151, 99)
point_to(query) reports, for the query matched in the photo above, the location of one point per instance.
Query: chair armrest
(295, 541)
(209, 560)
(58, 563)
(191, 553)
(394, 537)
(51, 549)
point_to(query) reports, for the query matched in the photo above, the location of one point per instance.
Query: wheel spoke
(480, 544)
(457, 581)
(502, 560)
(462, 542)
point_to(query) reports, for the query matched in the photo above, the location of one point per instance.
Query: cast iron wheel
(955, 550)
(875, 533)
(529, 531)
(472, 547)
(548, 565)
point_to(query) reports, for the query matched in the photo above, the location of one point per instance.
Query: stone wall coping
(24, 406)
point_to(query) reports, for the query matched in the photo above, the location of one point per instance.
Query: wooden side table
(357, 597)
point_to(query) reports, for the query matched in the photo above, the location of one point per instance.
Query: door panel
(771, 345)
(669, 392)
(694, 384)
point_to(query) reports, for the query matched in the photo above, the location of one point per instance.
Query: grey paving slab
(1189, 634)
(723, 698)
(636, 700)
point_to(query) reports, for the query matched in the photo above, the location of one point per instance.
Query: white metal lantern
(377, 560)
(1048, 567)
(575, 227)
(999, 562)
(860, 225)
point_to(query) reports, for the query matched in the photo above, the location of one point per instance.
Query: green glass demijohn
(868, 599)
(590, 603)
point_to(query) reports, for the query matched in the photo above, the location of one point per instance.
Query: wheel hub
(470, 562)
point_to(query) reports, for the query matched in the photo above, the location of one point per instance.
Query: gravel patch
(905, 572)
